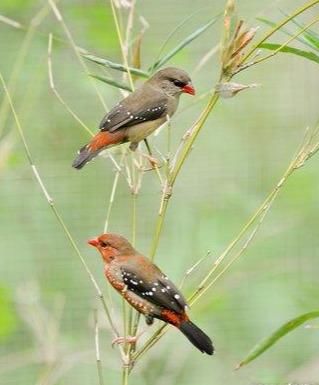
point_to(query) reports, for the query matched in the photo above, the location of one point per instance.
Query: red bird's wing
(142, 105)
(158, 290)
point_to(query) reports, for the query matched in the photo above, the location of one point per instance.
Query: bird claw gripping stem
(155, 163)
(125, 340)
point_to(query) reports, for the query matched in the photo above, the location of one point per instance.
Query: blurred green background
(46, 298)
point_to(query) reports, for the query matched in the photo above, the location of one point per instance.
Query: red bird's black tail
(197, 337)
(85, 154)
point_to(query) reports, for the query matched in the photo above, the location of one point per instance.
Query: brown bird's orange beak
(93, 242)
(189, 89)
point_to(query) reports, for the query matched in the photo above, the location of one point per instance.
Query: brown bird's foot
(155, 163)
(149, 320)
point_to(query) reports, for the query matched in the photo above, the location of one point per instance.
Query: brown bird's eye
(104, 244)
(178, 83)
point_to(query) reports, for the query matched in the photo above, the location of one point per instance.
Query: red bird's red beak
(93, 242)
(189, 89)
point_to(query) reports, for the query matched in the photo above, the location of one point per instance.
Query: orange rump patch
(105, 139)
(173, 318)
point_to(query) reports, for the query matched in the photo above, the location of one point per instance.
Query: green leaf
(159, 63)
(172, 33)
(274, 337)
(116, 66)
(296, 51)
(284, 30)
(311, 36)
(112, 82)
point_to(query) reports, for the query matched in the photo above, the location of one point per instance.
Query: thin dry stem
(55, 91)
(56, 212)
(23, 50)
(305, 152)
(69, 36)
(123, 50)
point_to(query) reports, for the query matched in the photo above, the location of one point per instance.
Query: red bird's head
(111, 246)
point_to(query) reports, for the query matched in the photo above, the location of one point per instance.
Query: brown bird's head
(173, 81)
(112, 245)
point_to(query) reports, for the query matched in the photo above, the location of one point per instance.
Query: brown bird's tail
(197, 337)
(99, 142)
(85, 154)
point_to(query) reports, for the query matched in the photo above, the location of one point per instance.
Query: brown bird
(146, 288)
(139, 114)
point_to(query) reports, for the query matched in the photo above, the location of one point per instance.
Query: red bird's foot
(125, 340)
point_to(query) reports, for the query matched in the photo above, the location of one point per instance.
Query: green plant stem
(178, 165)
(197, 128)
(305, 152)
(174, 172)
(97, 349)
(125, 375)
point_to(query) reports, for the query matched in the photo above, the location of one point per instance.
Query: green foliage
(98, 23)
(268, 342)
(159, 63)
(308, 38)
(7, 315)
(15, 5)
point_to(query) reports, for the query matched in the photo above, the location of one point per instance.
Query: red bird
(146, 288)
(138, 115)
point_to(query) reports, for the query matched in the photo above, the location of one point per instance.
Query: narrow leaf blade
(285, 31)
(266, 343)
(112, 82)
(183, 44)
(296, 51)
(311, 36)
(116, 66)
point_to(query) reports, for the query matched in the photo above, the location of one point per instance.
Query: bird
(139, 114)
(145, 287)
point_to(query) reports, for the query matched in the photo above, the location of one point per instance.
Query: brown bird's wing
(158, 290)
(143, 105)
